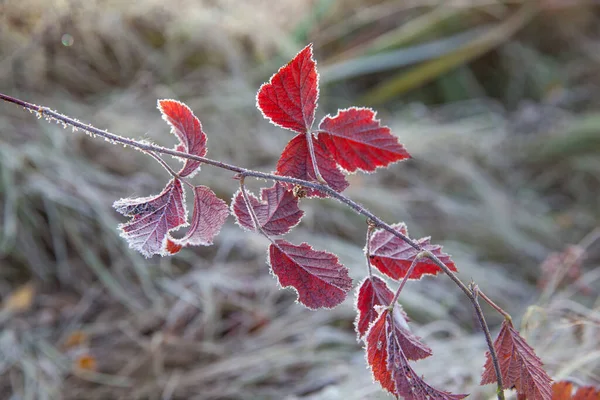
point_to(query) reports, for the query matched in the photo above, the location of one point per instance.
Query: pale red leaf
(373, 291)
(519, 366)
(295, 162)
(186, 126)
(393, 257)
(153, 218)
(318, 277)
(210, 213)
(289, 99)
(564, 268)
(277, 213)
(356, 140)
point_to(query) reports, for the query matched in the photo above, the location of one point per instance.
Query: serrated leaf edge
(271, 80)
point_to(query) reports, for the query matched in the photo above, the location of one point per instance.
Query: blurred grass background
(497, 101)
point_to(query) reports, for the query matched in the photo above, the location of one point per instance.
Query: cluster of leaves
(153, 218)
(564, 390)
(351, 140)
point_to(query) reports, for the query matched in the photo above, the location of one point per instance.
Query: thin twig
(495, 306)
(410, 270)
(251, 211)
(488, 337)
(357, 207)
(166, 166)
(313, 157)
(370, 229)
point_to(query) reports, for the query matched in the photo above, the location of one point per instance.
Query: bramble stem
(495, 306)
(370, 229)
(488, 337)
(357, 207)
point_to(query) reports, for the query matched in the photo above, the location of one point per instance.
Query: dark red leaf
(389, 346)
(408, 383)
(519, 366)
(411, 345)
(188, 129)
(210, 213)
(289, 99)
(393, 257)
(356, 140)
(153, 218)
(296, 162)
(318, 277)
(277, 214)
(373, 291)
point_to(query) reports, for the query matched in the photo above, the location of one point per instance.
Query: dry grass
(500, 184)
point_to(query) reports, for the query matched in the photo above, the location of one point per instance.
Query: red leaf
(408, 383)
(411, 345)
(296, 162)
(562, 390)
(373, 291)
(376, 341)
(172, 247)
(188, 129)
(587, 393)
(389, 346)
(289, 99)
(277, 214)
(519, 366)
(356, 140)
(210, 213)
(393, 257)
(318, 277)
(153, 218)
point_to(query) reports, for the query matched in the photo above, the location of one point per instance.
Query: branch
(243, 172)
(370, 230)
(488, 336)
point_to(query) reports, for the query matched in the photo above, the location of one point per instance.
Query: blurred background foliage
(497, 101)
